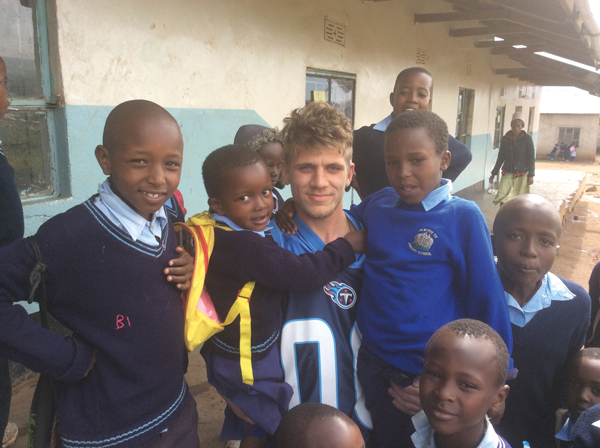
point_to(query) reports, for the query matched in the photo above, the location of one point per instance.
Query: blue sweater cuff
(82, 357)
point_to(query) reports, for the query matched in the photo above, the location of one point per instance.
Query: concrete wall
(218, 64)
(549, 129)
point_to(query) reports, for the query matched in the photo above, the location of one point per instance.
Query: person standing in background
(517, 159)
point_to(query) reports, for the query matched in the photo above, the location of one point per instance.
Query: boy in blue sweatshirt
(121, 375)
(239, 187)
(429, 261)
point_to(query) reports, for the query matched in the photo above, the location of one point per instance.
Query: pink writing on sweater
(120, 323)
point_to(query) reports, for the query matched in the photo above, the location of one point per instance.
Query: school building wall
(549, 131)
(222, 63)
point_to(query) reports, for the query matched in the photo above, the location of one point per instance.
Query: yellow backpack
(197, 236)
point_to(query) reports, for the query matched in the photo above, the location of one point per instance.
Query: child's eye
(547, 242)
(515, 236)
(266, 193)
(173, 165)
(391, 163)
(573, 384)
(140, 161)
(404, 92)
(596, 391)
(417, 160)
(244, 198)
(468, 386)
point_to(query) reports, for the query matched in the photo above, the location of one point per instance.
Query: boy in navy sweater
(464, 375)
(549, 317)
(121, 375)
(240, 196)
(429, 261)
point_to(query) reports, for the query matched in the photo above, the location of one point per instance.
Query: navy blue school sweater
(369, 160)
(540, 349)
(111, 291)
(242, 256)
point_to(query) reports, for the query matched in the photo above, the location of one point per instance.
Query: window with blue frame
(27, 130)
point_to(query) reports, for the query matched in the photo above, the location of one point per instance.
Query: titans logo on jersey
(341, 294)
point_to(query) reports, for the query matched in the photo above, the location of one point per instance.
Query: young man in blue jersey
(320, 341)
(121, 374)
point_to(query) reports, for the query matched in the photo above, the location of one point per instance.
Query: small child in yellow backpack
(240, 198)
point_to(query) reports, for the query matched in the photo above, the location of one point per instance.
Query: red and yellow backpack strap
(197, 236)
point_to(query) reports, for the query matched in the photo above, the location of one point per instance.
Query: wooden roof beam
(509, 42)
(493, 14)
(486, 31)
(516, 71)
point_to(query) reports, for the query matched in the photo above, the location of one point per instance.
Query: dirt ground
(580, 241)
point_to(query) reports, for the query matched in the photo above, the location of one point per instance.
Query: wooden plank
(493, 14)
(486, 30)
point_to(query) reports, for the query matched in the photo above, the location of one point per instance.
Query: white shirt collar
(552, 288)
(566, 432)
(383, 124)
(436, 196)
(130, 221)
(234, 226)
(423, 437)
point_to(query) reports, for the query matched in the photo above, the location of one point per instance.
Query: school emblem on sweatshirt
(423, 241)
(342, 294)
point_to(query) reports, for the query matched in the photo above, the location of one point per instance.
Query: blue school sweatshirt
(424, 269)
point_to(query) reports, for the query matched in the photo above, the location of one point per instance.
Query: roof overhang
(562, 28)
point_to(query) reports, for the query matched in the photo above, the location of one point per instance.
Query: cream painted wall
(549, 129)
(239, 54)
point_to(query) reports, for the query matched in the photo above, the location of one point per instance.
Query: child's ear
(500, 398)
(445, 162)
(103, 158)
(392, 99)
(215, 205)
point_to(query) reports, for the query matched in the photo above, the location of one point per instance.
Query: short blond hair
(316, 124)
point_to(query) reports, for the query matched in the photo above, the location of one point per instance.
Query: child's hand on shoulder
(180, 269)
(358, 239)
(285, 217)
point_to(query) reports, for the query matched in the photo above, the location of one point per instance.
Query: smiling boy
(429, 261)
(464, 375)
(549, 316)
(413, 89)
(122, 373)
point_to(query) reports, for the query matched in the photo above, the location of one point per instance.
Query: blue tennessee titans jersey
(320, 339)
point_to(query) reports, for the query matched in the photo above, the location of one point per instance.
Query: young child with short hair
(549, 317)
(317, 425)
(268, 144)
(239, 188)
(582, 390)
(429, 261)
(122, 373)
(464, 375)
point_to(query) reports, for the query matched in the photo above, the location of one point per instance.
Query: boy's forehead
(412, 75)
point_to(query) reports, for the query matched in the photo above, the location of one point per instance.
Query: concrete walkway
(563, 188)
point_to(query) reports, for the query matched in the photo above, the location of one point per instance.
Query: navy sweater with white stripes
(111, 291)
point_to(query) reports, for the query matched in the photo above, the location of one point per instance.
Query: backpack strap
(241, 307)
(36, 278)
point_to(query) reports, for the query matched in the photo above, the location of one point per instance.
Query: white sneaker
(10, 434)
(230, 444)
